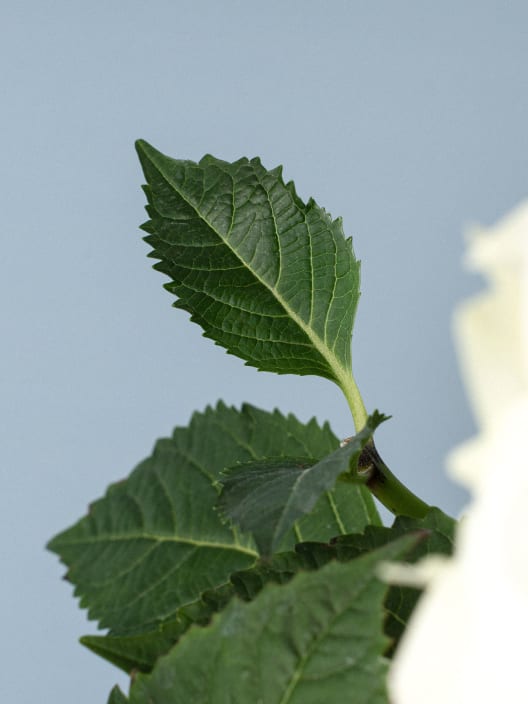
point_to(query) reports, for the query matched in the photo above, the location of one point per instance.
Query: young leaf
(154, 542)
(267, 497)
(318, 638)
(271, 279)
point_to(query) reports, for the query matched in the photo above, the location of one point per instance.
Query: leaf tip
(142, 147)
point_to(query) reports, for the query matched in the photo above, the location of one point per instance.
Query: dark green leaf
(401, 601)
(318, 638)
(441, 526)
(271, 279)
(267, 497)
(154, 542)
(117, 697)
(439, 530)
(140, 652)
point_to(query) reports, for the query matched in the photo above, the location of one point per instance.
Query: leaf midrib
(316, 643)
(159, 539)
(294, 487)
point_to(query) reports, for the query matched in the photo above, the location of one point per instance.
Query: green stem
(387, 488)
(372, 469)
(355, 402)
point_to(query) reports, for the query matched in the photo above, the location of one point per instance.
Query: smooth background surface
(406, 118)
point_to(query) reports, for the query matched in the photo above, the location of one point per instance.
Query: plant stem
(372, 469)
(386, 487)
(355, 402)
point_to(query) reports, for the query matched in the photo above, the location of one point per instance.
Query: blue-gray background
(409, 119)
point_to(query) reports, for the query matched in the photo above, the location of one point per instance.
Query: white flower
(468, 639)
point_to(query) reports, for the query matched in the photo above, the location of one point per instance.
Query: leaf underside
(271, 279)
(154, 543)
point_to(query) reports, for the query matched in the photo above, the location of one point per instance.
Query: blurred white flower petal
(417, 575)
(467, 639)
(491, 330)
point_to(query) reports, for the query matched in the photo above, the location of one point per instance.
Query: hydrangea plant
(243, 561)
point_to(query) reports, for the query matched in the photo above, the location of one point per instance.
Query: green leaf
(318, 638)
(140, 652)
(117, 697)
(154, 542)
(439, 532)
(267, 497)
(438, 527)
(401, 601)
(271, 279)
(441, 526)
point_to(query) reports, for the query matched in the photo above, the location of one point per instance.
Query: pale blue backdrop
(409, 119)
